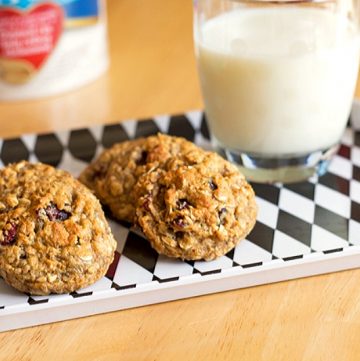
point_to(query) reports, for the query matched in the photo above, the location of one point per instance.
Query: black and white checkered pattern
(295, 222)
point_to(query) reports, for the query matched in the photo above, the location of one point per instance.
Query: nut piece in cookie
(197, 207)
(54, 237)
(114, 174)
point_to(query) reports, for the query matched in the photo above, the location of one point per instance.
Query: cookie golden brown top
(196, 207)
(53, 233)
(114, 174)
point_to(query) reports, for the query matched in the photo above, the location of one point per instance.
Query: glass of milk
(278, 79)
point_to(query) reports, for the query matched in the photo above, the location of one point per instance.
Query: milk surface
(278, 81)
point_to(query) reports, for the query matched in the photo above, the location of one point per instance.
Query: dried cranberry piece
(212, 185)
(180, 222)
(182, 204)
(55, 214)
(146, 203)
(143, 158)
(222, 214)
(9, 235)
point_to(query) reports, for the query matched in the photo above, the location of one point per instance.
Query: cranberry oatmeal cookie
(113, 175)
(54, 237)
(196, 207)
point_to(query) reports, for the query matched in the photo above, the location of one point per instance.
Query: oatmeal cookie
(54, 237)
(195, 207)
(114, 174)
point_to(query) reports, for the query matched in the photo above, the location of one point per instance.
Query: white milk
(278, 81)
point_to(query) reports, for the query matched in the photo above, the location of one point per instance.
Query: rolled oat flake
(50, 47)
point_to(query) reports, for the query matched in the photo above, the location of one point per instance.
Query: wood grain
(152, 72)
(317, 318)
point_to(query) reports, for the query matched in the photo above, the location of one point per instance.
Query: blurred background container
(47, 48)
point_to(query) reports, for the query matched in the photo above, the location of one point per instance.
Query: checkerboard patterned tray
(303, 229)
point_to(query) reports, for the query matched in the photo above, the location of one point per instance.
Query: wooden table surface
(153, 72)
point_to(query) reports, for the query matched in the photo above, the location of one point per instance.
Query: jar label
(31, 29)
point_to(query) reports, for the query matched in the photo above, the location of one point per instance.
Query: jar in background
(50, 47)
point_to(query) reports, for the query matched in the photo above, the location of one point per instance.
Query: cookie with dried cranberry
(196, 207)
(54, 237)
(114, 174)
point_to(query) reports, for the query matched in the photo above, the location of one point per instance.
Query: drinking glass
(278, 79)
